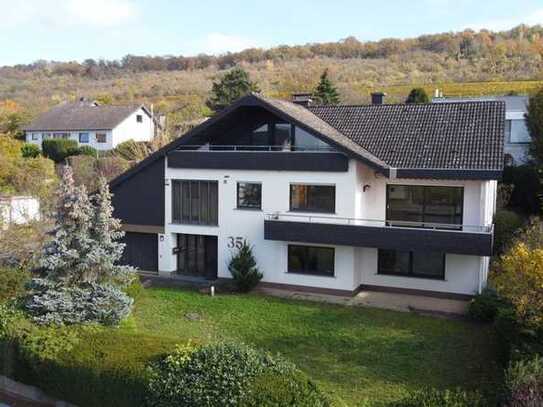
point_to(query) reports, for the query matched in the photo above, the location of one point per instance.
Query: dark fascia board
(460, 174)
(249, 100)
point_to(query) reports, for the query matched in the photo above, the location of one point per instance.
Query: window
(61, 135)
(261, 136)
(249, 195)
(139, 118)
(282, 134)
(195, 202)
(516, 131)
(313, 198)
(306, 141)
(311, 260)
(411, 264)
(101, 137)
(35, 136)
(83, 137)
(424, 204)
(46, 136)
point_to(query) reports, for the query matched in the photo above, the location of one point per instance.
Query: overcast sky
(78, 29)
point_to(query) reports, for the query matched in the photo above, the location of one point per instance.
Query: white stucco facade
(360, 194)
(138, 126)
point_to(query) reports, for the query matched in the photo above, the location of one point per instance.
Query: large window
(195, 202)
(313, 198)
(303, 141)
(249, 195)
(311, 260)
(411, 264)
(416, 205)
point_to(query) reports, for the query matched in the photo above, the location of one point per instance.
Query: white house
(517, 136)
(90, 124)
(333, 199)
(18, 210)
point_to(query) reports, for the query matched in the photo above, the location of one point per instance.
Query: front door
(197, 255)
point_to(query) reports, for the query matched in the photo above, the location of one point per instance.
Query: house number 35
(235, 242)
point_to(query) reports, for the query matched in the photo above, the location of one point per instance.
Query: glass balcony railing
(270, 148)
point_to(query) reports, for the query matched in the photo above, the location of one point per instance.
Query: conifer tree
(235, 84)
(105, 233)
(64, 258)
(243, 268)
(326, 93)
(417, 95)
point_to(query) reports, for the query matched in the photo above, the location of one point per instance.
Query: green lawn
(355, 354)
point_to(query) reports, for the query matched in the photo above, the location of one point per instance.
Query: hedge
(58, 149)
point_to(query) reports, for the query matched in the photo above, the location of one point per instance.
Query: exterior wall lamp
(366, 187)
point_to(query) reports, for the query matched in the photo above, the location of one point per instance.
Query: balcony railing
(474, 240)
(265, 148)
(336, 220)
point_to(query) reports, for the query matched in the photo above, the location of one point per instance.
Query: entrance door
(197, 255)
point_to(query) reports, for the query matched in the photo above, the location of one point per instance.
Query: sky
(66, 30)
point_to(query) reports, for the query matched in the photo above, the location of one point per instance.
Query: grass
(356, 354)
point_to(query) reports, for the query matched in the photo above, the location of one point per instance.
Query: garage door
(141, 251)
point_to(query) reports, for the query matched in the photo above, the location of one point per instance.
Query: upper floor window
(101, 137)
(313, 198)
(139, 118)
(417, 205)
(195, 202)
(249, 195)
(83, 137)
(516, 131)
(306, 141)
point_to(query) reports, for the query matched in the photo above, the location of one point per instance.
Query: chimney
(377, 98)
(302, 99)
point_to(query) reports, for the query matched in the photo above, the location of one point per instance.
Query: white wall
(353, 266)
(128, 129)
(131, 129)
(18, 210)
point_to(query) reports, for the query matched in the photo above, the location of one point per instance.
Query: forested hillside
(465, 63)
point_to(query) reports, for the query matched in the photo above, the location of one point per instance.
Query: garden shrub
(12, 282)
(506, 223)
(286, 390)
(55, 303)
(243, 269)
(58, 149)
(484, 307)
(524, 383)
(29, 150)
(526, 188)
(440, 398)
(212, 375)
(135, 289)
(88, 151)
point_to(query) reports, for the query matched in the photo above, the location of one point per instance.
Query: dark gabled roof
(82, 116)
(462, 140)
(445, 136)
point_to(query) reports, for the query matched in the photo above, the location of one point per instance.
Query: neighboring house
(517, 136)
(333, 199)
(90, 124)
(18, 210)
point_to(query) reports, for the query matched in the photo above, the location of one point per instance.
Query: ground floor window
(311, 260)
(424, 264)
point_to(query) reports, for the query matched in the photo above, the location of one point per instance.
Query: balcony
(456, 239)
(267, 158)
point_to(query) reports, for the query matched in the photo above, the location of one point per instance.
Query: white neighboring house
(102, 127)
(18, 210)
(517, 136)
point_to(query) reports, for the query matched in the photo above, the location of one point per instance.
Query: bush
(243, 269)
(87, 150)
(54, 303)
(12, 283)
(213, 375)
(506, 223)
(438, 398)
(524, 383)
(286, 390)
(29, 150)
(135, 289)
(526, 188)
(58, 149)
(484, 307)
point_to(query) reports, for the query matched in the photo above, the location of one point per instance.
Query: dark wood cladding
(139, 200)
(260, 160)
(455, 242)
